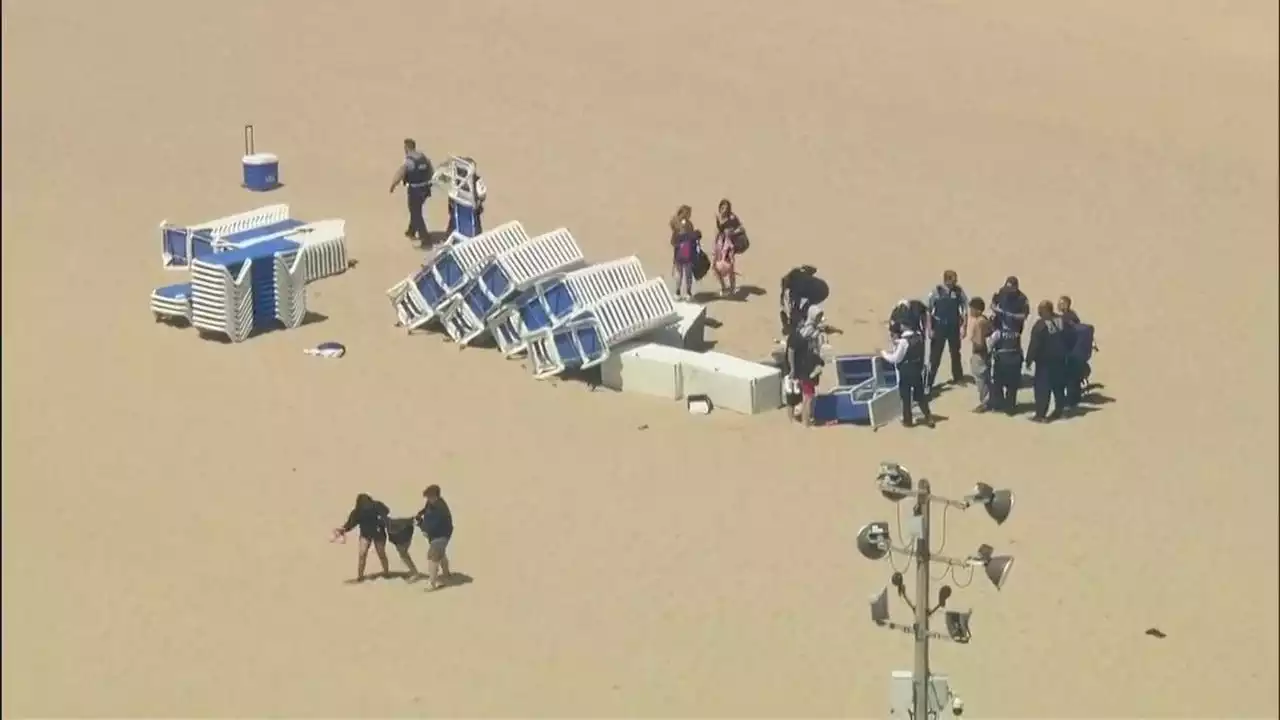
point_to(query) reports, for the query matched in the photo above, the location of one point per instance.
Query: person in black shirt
(945, 325)
(1010, 307)
(371, 517)
(436, 523)
(1048, 350)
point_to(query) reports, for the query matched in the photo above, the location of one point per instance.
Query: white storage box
(646, 369)
(733, 383)
(688, 332)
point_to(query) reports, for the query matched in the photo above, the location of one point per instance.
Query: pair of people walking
(376, 526)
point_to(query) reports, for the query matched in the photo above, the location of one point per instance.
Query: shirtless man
(980, 361)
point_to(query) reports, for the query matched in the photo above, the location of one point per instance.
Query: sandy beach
(167, 500)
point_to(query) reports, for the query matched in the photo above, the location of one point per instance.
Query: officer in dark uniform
(1006, 369)
(908, 355)
(947, 305)
(1010, 307)
(1048, 349)
(415, 172)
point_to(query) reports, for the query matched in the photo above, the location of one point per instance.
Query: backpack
(687, 246)
(701, 265)
(741, 243)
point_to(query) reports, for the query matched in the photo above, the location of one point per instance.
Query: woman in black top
(371, 517)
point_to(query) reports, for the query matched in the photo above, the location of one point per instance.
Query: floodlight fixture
(958, 625)
(873, 540)
(894, 481)
(997, 569)
(997, 503)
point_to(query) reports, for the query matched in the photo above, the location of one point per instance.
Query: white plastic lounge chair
(555, 301)
(418, 298)
(179, 245)
(504, 276)
(585, 341)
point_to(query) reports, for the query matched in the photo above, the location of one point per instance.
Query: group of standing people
(689, 263)
(373, 519)
(1058, 349)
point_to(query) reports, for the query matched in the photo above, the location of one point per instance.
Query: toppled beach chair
(503, 277)
(584, 342)
(238, 291)
(172, 302)
(180, 245)
(555, 301)
(418, 298)
(866, 393)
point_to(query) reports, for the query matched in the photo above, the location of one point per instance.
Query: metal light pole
(874, 542)
(920, 673)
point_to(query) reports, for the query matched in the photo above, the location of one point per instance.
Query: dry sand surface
(167, 500)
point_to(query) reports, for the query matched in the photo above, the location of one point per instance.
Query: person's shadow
(455, 579)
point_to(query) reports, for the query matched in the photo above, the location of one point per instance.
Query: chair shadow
(705, 346)
(590, 377)
(311, 318)
(434, 238)
(177, 323)
(486, 341)
(713, 323)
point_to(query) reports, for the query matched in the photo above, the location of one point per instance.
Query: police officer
(1047, 348)
(1010, 307)
(415, 172)
(908, 356)
(945, 325)
(1006, 368)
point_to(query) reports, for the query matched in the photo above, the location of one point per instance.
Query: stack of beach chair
(260, 287)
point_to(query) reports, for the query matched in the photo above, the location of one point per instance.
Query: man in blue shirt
(415, 173)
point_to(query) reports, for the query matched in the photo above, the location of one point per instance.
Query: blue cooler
(261, 170)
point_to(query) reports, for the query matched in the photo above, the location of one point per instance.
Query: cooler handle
(248, 140)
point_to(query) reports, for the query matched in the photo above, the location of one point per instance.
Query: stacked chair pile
(248, 272)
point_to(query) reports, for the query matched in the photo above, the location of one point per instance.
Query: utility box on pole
(902, 696)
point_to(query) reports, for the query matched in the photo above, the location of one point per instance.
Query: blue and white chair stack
(504, 276)
(258, 287)
(555, 301)
(585, 341)
(323, 242)
(419, 298)
(467, 192)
